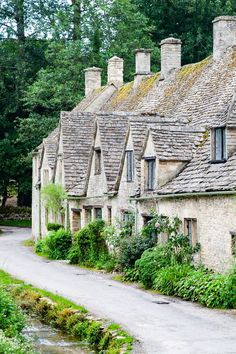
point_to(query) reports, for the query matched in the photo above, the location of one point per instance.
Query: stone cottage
(165, 141)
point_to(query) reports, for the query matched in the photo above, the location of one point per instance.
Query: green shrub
(151, 261)
(13, 345)
(131, 249)
(54, 226)
(208, 288)
(177, 250)
(167, 278)
(90, 248)
(12, 320)
(130, 274)
(55, 245)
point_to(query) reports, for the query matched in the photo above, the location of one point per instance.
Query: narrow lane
(173, 328)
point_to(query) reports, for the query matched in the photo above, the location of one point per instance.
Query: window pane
(98, 162)
(98, 213)
(218, 144)
(151, 174)
(130, 166)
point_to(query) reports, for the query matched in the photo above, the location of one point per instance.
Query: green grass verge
(102, 336)
(16, 223)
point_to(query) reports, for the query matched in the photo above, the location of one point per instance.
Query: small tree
(53, 196)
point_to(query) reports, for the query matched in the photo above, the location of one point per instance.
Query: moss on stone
(122, 94)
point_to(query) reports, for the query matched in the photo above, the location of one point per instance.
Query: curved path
(173, 328)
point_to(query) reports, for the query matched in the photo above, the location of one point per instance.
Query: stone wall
(216, 218)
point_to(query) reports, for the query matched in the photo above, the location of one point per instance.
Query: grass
(29, 243)
(16, 223)
(101, 335)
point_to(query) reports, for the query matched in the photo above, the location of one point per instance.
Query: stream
(48, 340)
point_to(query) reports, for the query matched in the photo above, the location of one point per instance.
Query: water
(48, 340)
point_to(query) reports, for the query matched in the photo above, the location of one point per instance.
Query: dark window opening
(219, 146)
(233, 243)
(97, 161)
(190, 229)
(98, 213)
(151, 175)
(109, 212)
(130, 165)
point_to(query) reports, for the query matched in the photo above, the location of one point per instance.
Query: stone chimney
(170, 55)
(92, 79)
(115, 71)
(142, 65)
(224, 35)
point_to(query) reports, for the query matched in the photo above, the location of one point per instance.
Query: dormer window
(97, 161)
(130, 165)
(219, 145)
(150, 173)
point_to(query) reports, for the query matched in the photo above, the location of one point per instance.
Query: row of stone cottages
(165, 141)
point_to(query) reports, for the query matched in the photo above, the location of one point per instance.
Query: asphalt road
(171, 328)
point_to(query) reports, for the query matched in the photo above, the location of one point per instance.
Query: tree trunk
(76, 19)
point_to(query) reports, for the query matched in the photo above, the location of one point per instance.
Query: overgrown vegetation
(160, 258)
(11, 325)
(53, 196)
(55, 245)
(71, 318)
(90, 248)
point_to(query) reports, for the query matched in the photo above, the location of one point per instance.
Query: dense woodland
(46, 44)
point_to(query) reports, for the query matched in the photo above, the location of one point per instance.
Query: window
(76, 219)
(127, 216)
(109, 215)
(88, 214)
(151, 173)
(98, 213)
(130, 165)
(233, 243)
(190, 229)
(97, 161)
(219, 146)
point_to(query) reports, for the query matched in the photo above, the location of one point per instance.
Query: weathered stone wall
(230, 141)
(170, 55)
(216, 217)
(224, 35)
(92, 79)
(115, 71)
(168, 170)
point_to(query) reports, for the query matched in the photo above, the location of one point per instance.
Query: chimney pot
(115, 70)
(224, 35)
(170, 55)
(92, 79)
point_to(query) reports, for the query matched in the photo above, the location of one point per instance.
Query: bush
(131, 249)
(151, 261)
(13, 346)
(208, 288)
(167, 278)
(12, 320)
(177, 250)
(55, 245)
(54, 226)
(90, 248)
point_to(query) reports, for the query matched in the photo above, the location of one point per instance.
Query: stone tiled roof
(201, 175)
(139, 125)
(50, 147)
(77, 134)
(96, 100)
(113, 132)
(175, 142)
(231, 119)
